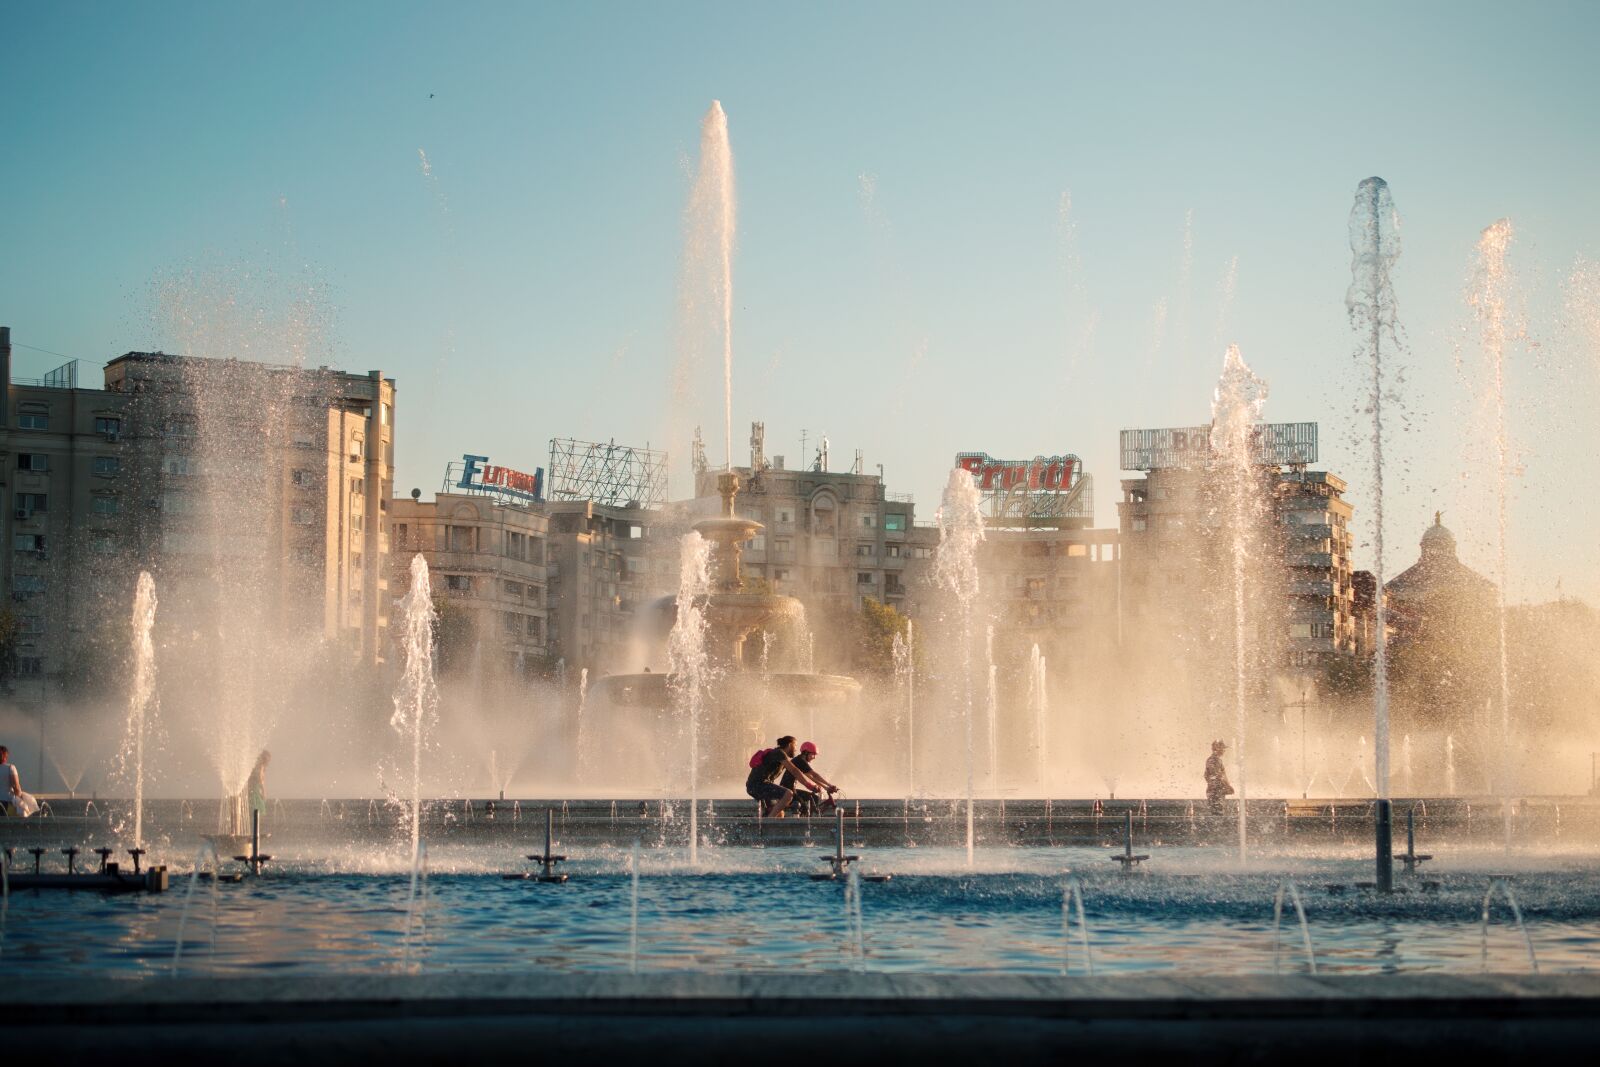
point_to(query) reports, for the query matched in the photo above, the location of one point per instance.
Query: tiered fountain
(744, 701)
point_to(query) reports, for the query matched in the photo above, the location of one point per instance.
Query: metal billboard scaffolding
(611, 474)
(1275, 444)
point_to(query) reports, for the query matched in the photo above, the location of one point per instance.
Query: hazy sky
(1015, 228)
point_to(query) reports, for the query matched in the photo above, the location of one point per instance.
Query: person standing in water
(256, 787)
(1217, 786)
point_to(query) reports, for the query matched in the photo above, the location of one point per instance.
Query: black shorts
(766, 791)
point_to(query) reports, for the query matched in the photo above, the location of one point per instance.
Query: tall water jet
(903, 682)
(689, 663)
(709, 266)
(1236, 408)
(416, 697)
(992, 708)
(583, 697)
(141, 698)
(1038, 703)
(955, 569)
(1488, 298)
(1370, 302)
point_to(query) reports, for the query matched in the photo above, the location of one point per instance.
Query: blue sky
(906, 279)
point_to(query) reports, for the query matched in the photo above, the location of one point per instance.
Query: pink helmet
(809, 748)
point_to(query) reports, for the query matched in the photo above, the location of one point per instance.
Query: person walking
(1217, 787)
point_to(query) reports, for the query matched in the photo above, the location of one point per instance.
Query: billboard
(475, 474)
(1275, 444)
(1042, 491)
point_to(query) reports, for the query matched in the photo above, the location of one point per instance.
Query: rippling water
(1192, 912)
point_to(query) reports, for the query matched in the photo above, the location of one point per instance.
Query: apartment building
(249, 491)
(486, 561)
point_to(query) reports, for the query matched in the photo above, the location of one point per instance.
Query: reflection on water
(756, 911)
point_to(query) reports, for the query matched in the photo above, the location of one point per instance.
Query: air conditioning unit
(112, 436)
(24, 513)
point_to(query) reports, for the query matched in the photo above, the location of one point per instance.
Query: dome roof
(1437, 540)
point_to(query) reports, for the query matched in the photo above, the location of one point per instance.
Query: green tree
(454, 635)
(874, 632)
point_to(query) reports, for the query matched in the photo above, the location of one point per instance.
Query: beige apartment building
(607, 565)
(832, 538)
(1171, 520)
(242, 487)
(486, 560)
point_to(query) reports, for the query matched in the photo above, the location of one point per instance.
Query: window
(864, 578)
(179, 466)
(355, 567)
(463, 539)
(1077, 550)
(458, 583)
(635, 565)
(181, 426)
(177, 503)
(33, 461)
(892, 550)
(383, 414)
(30, 666)
(31, 625)
(358, 486)
(104, 544)
(27, 542)
(1140, 524)
(111, 427)
(302, 439)
(785, 515)
(866, 549)
(33, 417)
(895, 523)
(106, 505)
(512, 589)
(400, 535)
(512, 622)
(780, 575)
(24, 586)
(106, 465)
(869, 521)
(303, 516)
(517, 545)
(29, 503)
(1300, 629)
(891, 584)
(355, 449)
(302, 478)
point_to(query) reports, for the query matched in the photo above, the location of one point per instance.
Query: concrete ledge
(872, 1018)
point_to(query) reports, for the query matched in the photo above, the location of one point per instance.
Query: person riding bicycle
(809, 801)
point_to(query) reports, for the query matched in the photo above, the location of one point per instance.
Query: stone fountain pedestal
(746, 707)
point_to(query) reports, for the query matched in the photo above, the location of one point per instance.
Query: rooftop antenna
(758, 447)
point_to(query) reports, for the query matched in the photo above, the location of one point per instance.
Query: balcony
(1311, 588)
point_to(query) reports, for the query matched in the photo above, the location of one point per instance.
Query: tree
(455, 635)
(874, 632)
(10, 634)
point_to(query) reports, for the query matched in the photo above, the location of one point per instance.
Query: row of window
(39, 463)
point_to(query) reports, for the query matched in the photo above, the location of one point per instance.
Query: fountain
(1240, 396)
(141, 699)
(955, 568)
(416, 698)
(1488, 298)
(732, 686)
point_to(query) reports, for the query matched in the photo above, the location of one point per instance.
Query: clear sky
(960, 227)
